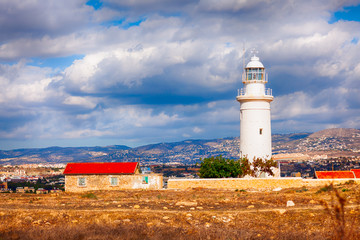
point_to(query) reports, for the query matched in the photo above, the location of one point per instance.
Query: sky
(135, 72)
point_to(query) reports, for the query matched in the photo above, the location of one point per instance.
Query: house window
(82, 182)
(113, 181)
(145, 179)
(260, 131)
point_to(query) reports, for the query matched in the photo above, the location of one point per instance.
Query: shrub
(89, 195)
(219, 167)
(325, 189)
(257, 167)
(342, 227)
(350, 182)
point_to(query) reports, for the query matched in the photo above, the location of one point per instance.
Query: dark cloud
(27, 19)
(149, 6)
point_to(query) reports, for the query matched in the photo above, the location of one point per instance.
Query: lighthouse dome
(255, 63)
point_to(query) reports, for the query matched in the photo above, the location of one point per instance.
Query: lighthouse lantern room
(255, 122)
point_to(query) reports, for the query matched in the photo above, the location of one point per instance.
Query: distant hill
(336, 133)
(57, 154)
(189, 151)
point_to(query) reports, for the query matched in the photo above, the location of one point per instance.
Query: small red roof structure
(102, 168)
(356, 172)
(334, 174)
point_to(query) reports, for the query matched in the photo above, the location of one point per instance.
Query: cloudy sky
(134, 72)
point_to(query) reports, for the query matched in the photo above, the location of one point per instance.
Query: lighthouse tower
(255, 125)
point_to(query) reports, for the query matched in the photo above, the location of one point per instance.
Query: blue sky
(134, 72)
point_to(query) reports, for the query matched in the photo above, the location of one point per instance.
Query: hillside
(338, 141)
(334, 139)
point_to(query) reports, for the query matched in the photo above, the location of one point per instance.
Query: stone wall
(251, 183)
(103, 182)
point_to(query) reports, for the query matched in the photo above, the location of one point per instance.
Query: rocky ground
(317, 213)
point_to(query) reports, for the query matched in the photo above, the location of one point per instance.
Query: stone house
(81, 177)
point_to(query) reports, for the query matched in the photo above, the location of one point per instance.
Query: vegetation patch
(89, 195)
(350, 182)
(302, 190)
(326, 189)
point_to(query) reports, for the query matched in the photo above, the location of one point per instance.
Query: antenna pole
(243, 56)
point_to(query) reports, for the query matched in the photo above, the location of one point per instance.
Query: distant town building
(145, 170)
(3, 187)
(25, 190)
(55, 190)
(41, 191)
(20, 190)
(295, 174)
(255, 122)
(354, 173)
(80, 177)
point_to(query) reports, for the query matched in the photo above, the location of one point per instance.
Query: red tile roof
(356, 172)
(334, 174)
(101, 168)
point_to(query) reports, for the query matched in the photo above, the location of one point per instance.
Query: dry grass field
(319, 213)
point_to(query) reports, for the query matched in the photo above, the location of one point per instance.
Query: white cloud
(197, 130)
(227, 5)
(176, 72)
(79, 101)
(85, 133)
(295, 105)
(20, 83)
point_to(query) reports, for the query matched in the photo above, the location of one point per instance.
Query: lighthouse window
(255, 74)
(249, 76)
(261, 74)
(260, 131)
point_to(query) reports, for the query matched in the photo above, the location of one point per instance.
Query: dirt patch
(186, 214)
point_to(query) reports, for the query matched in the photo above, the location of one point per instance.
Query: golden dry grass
(190, 214)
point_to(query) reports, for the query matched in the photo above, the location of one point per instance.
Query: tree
(219, 167)
(263, 166)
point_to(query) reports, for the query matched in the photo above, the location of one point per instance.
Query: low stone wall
(251, 183)
(103, 182)
(323, 182)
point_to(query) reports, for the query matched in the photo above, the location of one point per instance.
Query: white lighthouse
(255, 122)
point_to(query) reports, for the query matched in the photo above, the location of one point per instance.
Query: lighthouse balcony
(244, 96)
(267, 93)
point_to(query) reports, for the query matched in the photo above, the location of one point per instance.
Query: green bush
(219, 167)
(325, 189)
(89, 195)
(302, 190)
